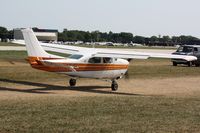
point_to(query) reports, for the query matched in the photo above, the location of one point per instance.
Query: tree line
(6, 34)
(123, 37)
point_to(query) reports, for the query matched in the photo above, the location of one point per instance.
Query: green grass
(9, 44)
(100, 114)
(19, 55)
(159, 68)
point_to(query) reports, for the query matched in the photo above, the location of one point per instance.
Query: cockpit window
(95, 60)
(185, 49)
(75, 56)
(100, 60)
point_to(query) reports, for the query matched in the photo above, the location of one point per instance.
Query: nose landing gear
(114, 85)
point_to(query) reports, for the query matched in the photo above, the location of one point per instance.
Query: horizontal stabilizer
(58, 63)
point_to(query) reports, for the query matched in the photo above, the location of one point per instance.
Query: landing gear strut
(114, 85)
(72, 82)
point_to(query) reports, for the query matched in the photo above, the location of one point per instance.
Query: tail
(35, 51)
(33, 46)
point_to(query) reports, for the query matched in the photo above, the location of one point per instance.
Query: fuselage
(83, 67)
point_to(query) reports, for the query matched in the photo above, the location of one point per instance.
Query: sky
(140, 17)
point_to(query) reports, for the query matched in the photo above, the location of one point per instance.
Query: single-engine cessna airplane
(94, 63)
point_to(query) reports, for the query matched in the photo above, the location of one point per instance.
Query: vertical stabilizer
(32, 44)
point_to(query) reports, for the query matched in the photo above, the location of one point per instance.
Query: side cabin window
(106, 60)
(95, 60)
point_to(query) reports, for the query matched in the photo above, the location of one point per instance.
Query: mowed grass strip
(159, 68)
(100, 114)
(9, 44)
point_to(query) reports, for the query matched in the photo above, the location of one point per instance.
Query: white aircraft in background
(85, 62)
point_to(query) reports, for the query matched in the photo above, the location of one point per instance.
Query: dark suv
(193, 50)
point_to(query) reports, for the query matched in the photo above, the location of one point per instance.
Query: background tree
(126, 37)
(139, 39)
(3, 33)
(123, 37)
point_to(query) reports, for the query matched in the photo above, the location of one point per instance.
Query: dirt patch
(183, 86)
(10, 62)
(175, 87)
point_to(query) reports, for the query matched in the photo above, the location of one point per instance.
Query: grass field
(36, 101)
(100, 114)
(8, 44)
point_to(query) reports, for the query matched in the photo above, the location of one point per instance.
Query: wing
(140, 55)
(66, 49)
(108, 52)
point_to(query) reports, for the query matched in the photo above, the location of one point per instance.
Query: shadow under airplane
(47, 88)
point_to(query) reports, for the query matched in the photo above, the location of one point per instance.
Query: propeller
(127, 72)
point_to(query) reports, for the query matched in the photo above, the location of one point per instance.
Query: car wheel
(197, 65)
(174, 64)
(189, 63)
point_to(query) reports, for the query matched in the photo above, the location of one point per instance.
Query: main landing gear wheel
(174, 63)
(72, 82)
(114, 86)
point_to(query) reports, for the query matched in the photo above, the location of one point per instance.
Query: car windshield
(185, 49)
(75, 56)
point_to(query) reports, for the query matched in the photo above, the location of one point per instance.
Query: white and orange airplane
(94, 63)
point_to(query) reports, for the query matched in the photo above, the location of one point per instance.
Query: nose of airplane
(123, 62)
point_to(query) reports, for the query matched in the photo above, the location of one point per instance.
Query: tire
(72, 82)
(197, 65)
(114, 86)
(174, 63)
(189, 63)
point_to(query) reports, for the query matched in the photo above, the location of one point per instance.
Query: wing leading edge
(140, 55)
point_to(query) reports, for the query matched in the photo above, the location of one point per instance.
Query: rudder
(32, 44)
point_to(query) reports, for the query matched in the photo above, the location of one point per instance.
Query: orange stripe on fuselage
(35, 63)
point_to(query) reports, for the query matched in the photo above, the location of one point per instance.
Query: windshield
(185, 49)
(75, 56)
